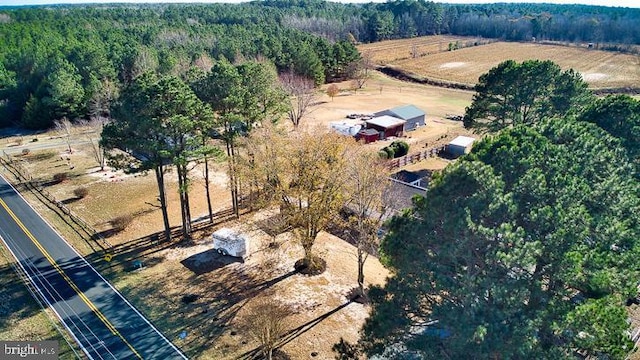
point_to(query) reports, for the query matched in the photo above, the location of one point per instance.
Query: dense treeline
(408, 18)
(70, 61)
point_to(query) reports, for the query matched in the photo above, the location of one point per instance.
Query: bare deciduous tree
(263, 164)
(146, 60)
(360, 70)
(314, 187)
(304, 175)
(94, 127)
(65, 128)
(100, 101)
(267, 323)
(369, 203)
(203, 62)
(303, 95)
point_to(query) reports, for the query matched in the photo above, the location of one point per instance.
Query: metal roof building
(460, 145)
(387, 126)
(413, 115)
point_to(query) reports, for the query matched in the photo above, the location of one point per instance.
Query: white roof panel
(385, 121)
(462, 141)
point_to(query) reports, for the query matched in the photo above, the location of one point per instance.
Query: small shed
(386, 125)
(368, 135)
(413, 116)
(460, 146)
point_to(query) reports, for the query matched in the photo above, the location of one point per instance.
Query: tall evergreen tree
(523, 93)
(157, 122)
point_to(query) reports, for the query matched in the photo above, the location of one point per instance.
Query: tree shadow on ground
(274, 225)
(221, 290)
(146, 246)
(207, 261)
(104, 234)
(215, 299)
(225, 295)
(295, 332)
(70, 200)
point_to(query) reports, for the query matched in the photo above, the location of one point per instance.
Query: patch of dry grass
(601, 69)
(389, 51)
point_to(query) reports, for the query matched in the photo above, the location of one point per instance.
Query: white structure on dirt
(230, 242)
(347, 127)
(460, 146)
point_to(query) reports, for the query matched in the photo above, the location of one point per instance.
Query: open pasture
(388, 51)
(601, 69)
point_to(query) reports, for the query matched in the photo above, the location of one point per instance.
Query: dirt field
(385, 52)
(216, 322)
(383, 92)
(601, 69)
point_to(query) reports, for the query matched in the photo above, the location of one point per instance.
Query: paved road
(44, 144)
(102, 321)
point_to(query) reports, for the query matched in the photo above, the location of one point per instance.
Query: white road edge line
(44, 298)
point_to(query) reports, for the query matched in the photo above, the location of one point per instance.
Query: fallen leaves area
(221, 291)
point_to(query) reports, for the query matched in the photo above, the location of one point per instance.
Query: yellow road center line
(81, 294)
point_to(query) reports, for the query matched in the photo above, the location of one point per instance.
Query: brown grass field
(601, 69)
(388, 51)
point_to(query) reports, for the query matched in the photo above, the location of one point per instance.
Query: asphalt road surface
(103, 322)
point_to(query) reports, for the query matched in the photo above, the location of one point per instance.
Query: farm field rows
(601, 69)
(385, 52)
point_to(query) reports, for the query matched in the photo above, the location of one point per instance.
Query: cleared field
(601, 69)
(385, 52)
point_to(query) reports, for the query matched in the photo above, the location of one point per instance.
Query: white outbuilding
(347, 127)
(460, 146)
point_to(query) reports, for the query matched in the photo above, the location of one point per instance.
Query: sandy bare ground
(383, 92)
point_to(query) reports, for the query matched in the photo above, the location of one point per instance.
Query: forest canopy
(70, 61)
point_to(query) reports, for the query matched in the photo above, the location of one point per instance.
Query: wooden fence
(81, 227)
(415, 157)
